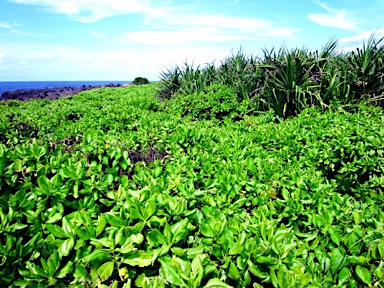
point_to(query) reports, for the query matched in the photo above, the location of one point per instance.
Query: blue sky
(42, 40)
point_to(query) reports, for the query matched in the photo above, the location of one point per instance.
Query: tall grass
(289, 81)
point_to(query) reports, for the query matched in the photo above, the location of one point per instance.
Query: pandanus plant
(289, 81)
(365, 68)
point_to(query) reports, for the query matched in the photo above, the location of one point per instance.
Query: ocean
(28, 85)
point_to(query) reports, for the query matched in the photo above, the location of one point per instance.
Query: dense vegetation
(289, 81)
(140, 81)
(118, 187)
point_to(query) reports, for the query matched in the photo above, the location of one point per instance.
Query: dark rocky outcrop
(48, 93)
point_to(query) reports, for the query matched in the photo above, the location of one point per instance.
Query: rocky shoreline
(49, 93)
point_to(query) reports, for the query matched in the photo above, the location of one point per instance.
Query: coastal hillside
(119, 187)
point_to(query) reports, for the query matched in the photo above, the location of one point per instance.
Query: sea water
(29, 85)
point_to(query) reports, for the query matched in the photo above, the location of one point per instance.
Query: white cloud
(256, 27)
(340, 19)
(352, 42)
(182, 37)
(169, 35)
(216, 20)
(87, 63)
(5, 25)
(208, 29)
(92, 10)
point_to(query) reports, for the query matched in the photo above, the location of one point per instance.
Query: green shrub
(216, 102)
(140, 81)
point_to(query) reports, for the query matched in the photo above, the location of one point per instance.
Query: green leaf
(156, 237)
(99, 255)
(233, 272)
(256, 272)
(44, 183)
(170, 274)
(65, 270)
(67, 226)
(344, 275)
(57, 231)
(206, 230)
(380, 247)
(80, 273)
(179, 231)
(337, 260)
(149, 209)
(235, 249)
(53, 263)
(100, 225)
(66, 247)
(216, 283)
(157, 171)
(274, 280)
(168, 233)
(363, 274)
(357, 216)
(335, 236)
(105, 271)
(143, 260)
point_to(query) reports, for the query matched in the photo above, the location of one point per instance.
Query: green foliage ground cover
(114, 188)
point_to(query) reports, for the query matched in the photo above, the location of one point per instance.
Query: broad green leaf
(363, 274)
(206, 230)
(80, 273)
(99, 255)
(44, 184)
(273, 276)
(135, 239)
(101, 223)
(335, 236)
(167, 233)
(344, 275)
(67, 226)
(196, 251)
(102, 242)
(142, 260)
(233, 272)
(256, 272)
(337, 260)
(216, 283)
(57, 231)
(380, 247)
(156, 237)
(197, 268)
(179, 231)
(126, 249)
(105, 271)
(66, 247)
(235, 249)
(36, 270)
(357, 216)
(283, 276)
(53, 263)
(265, 259)
(178, 251)
(119, 236)
(148, 210)
(65, 270)
(170, 274)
